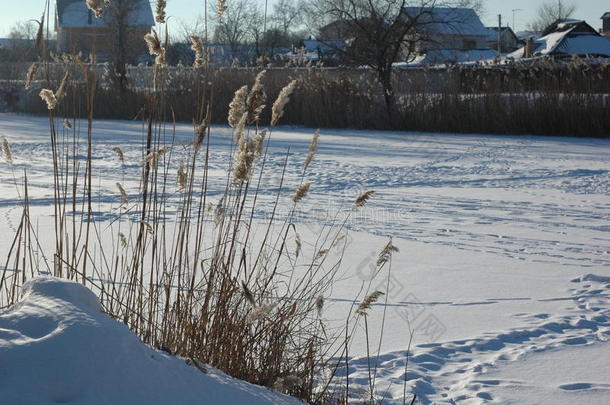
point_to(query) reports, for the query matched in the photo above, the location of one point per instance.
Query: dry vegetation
(545, 97)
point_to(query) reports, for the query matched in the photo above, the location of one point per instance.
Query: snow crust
(56, 346)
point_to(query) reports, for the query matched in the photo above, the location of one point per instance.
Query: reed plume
(221, 7)
(181, 176)
(244, 159)
(148, 227)
(219, 212)
(386, 253)
(313, 147)
(200, 131)
(67, 124)
(155, 48)
(260, 312)
(363, 198)
(277, 110)
(319, 304)
(237, 107)
(30, 75)
(97, 6)
(369, 300)
(301, 192)
(123, 239)
(255, 102)
(49, 97)
(160, 11)
(299, 244)
(124, 199)
(197, 47)
(119, 154)
(6, 148)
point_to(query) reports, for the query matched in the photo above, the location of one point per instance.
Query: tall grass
(545, 97)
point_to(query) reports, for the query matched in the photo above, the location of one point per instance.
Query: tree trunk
(385, 78)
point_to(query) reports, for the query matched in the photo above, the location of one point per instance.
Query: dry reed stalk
(6, 148)
(301, 192)
(40, 32)
(248, 294)
(277, 110)
(61, 91)
(313, 147)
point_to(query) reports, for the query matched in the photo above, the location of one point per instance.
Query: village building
(79, 31)
(509, 42)
(448, 35)
(606, 24)
(564, 39)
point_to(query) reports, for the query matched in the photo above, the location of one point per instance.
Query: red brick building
(120, 29)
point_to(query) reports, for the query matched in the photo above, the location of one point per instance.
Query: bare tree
(120, 16)
(377, 33)
(551, 11)
(22, 46)
(285, 12)
(238, 25)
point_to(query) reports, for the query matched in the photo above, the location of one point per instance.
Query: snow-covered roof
(75, 14)
(448, 20)
(569, 42)
(439, 56)
(323, 46)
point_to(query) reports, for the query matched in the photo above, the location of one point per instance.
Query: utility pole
(499, 34)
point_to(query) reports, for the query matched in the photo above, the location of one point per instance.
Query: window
(470, 44)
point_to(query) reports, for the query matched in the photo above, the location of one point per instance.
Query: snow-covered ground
(504, 264)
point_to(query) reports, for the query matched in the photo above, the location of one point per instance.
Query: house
(606, 24)
(508, 39)
(444, 28)
(566, 38)
(78, 30)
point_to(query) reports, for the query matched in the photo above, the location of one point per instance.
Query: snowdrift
(56, 346)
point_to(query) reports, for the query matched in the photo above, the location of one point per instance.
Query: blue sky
(188, 10)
